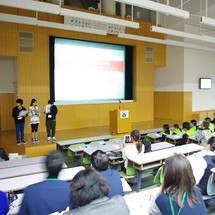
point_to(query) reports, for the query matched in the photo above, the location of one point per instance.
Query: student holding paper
(19, 113)
(51, 112)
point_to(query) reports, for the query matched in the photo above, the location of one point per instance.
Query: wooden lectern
(120, 121)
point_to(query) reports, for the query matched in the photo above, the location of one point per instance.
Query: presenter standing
(19, 113)
(51, 112)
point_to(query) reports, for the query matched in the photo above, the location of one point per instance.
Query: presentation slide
(88, 71)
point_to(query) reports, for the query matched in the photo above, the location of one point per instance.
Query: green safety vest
(165, 134)
(177, 131)
(190, 133)
(211, 127)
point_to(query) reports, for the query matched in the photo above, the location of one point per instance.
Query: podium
(119, 121)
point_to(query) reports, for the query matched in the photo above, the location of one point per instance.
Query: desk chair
(72, 154)
(85, 160)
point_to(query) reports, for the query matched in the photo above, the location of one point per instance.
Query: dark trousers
(20, 130)
(50, 126)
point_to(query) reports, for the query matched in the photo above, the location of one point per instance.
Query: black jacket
(15, 114)
(53, 113)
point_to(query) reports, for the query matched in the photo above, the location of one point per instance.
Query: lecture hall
(107, 106)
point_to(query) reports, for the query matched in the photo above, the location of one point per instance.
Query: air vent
(149, 54)
(26, 42)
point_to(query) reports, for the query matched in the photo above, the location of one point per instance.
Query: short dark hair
(19, 101)
(86, 186)
(194, 122)
(205, 124)
(54, 163)
(51, 101)
(186, 125)
(208, 119)
(211, 142)
(166, 128)
(176, 125)
(99, 160)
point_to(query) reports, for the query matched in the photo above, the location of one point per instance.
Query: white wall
(8, 75)
(171, 77)
(199, 64)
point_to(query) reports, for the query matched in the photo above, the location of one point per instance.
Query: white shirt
(130, 151)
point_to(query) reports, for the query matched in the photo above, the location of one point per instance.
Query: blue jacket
(4, 205)
(46, 197)
(163, 204)
(210, 160)
(113, 178)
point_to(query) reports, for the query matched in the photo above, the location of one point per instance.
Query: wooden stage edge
(43, 147)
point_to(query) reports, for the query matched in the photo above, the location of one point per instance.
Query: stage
(43, 147)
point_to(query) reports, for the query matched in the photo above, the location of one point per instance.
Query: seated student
(178, 194)
(50, 195)
(211, 125)
(4, 204)
(176, 129)
(186, 134)
(204, 133)
(100, 162)
(193, 125)
(166, 132)
(89, 191)
(210, 160)
(133, 150)
(3, 155)
(213, 121)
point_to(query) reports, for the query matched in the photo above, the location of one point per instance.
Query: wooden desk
(66, 143)
(22, 162)
(153, 159)
(21, 182)
(148, 131)
(154, 138)
(138, 203)
(174, 138)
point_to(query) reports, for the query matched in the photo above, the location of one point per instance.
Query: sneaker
(49, 138)
(33, 140)
(18, 143)
(53, 138)
(36, 140)
(23, 142)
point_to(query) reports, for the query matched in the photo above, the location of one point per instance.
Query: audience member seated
(210, 160)
(187, 132)
(178, 195)
(211, 125)
(176, 129)
(100, 162)
(135, 149)
(193, 125)
(4, 204)
(50, 195)
(89, 194)
(3, 155)
(166, 132)
(204, 133)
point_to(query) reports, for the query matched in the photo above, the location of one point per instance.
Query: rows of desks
(66, 143)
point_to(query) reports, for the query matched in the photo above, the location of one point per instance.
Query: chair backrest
(148, 147)
(211, 186)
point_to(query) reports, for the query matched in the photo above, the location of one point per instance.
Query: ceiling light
(34, 21)
(175, 33)
(207, 21)
(98, 18)
(162, 8)
(166, 42)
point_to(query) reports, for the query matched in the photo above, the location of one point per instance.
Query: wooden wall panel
(7, 102)
(175, 106)
(33, 74)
